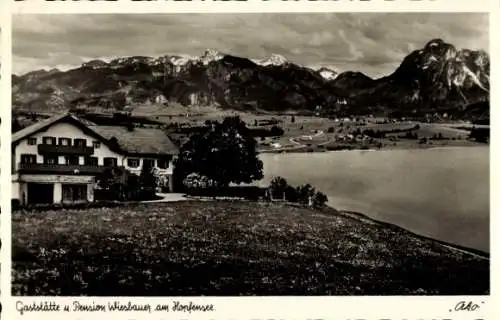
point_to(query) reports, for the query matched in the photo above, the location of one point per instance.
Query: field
(303, 133)
(231, 248)
(310, 133)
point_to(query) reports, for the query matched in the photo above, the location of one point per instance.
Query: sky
(373, 43)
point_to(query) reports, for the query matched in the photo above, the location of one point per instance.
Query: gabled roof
(147, 141)
(44, 124)
(139, 141)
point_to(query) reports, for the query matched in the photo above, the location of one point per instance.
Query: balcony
(39, 168)
(64, 150)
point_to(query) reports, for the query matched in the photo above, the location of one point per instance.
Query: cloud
(374, 43)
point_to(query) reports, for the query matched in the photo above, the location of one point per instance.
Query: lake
(442, 193)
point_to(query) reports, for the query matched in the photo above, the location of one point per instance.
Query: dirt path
(297, 145)
(168, 197)
(308, 137)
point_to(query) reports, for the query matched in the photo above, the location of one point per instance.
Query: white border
(361, 308)
(5, 186)
(166, 6)
(494, 149)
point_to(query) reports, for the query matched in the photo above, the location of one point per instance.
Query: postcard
(250, 160)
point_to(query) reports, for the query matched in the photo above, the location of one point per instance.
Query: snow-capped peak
(274, 60)
(210, 55)
(327, 74)
(94, 64)
(180, 59)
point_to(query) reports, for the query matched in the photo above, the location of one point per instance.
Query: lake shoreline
(388, 148)
(366, 218)
(441, 193)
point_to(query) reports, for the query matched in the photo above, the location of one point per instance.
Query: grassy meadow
(231, 248)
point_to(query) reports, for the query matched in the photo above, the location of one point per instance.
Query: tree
(305, 193)
(480, 134)
(147, 179)
(224, 152)
(131, 187)
(276, 131)
(278, 186)
(319, 199)
(16, 125)
(114, 180)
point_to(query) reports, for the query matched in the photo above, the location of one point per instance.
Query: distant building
(276, 145)
(160, 99)
(57, 160)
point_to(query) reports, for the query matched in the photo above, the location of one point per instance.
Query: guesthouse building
(57, 160)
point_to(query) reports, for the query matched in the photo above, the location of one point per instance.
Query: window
(80, 143)
(148, 163)
(71, 160)
(133, 163)
(163, 163)
(92, 161)
(96, 144)
(49, 140)
(50, 160)
(74, 192)
(28, 158)
(31, 141)
(110, 162)
(64, 141)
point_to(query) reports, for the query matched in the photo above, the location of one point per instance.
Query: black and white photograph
(250, 154)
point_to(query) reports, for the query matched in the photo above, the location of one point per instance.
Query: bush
(276, 131)
(319, 199)
(291, 194)
(305, 192)
(480, 134)
(195, 180)
(278, 186)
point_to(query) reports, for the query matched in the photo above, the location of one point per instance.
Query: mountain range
(436, 78)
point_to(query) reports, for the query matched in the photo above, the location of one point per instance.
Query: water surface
(442, 193)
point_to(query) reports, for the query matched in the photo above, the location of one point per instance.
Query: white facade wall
(63, 130)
